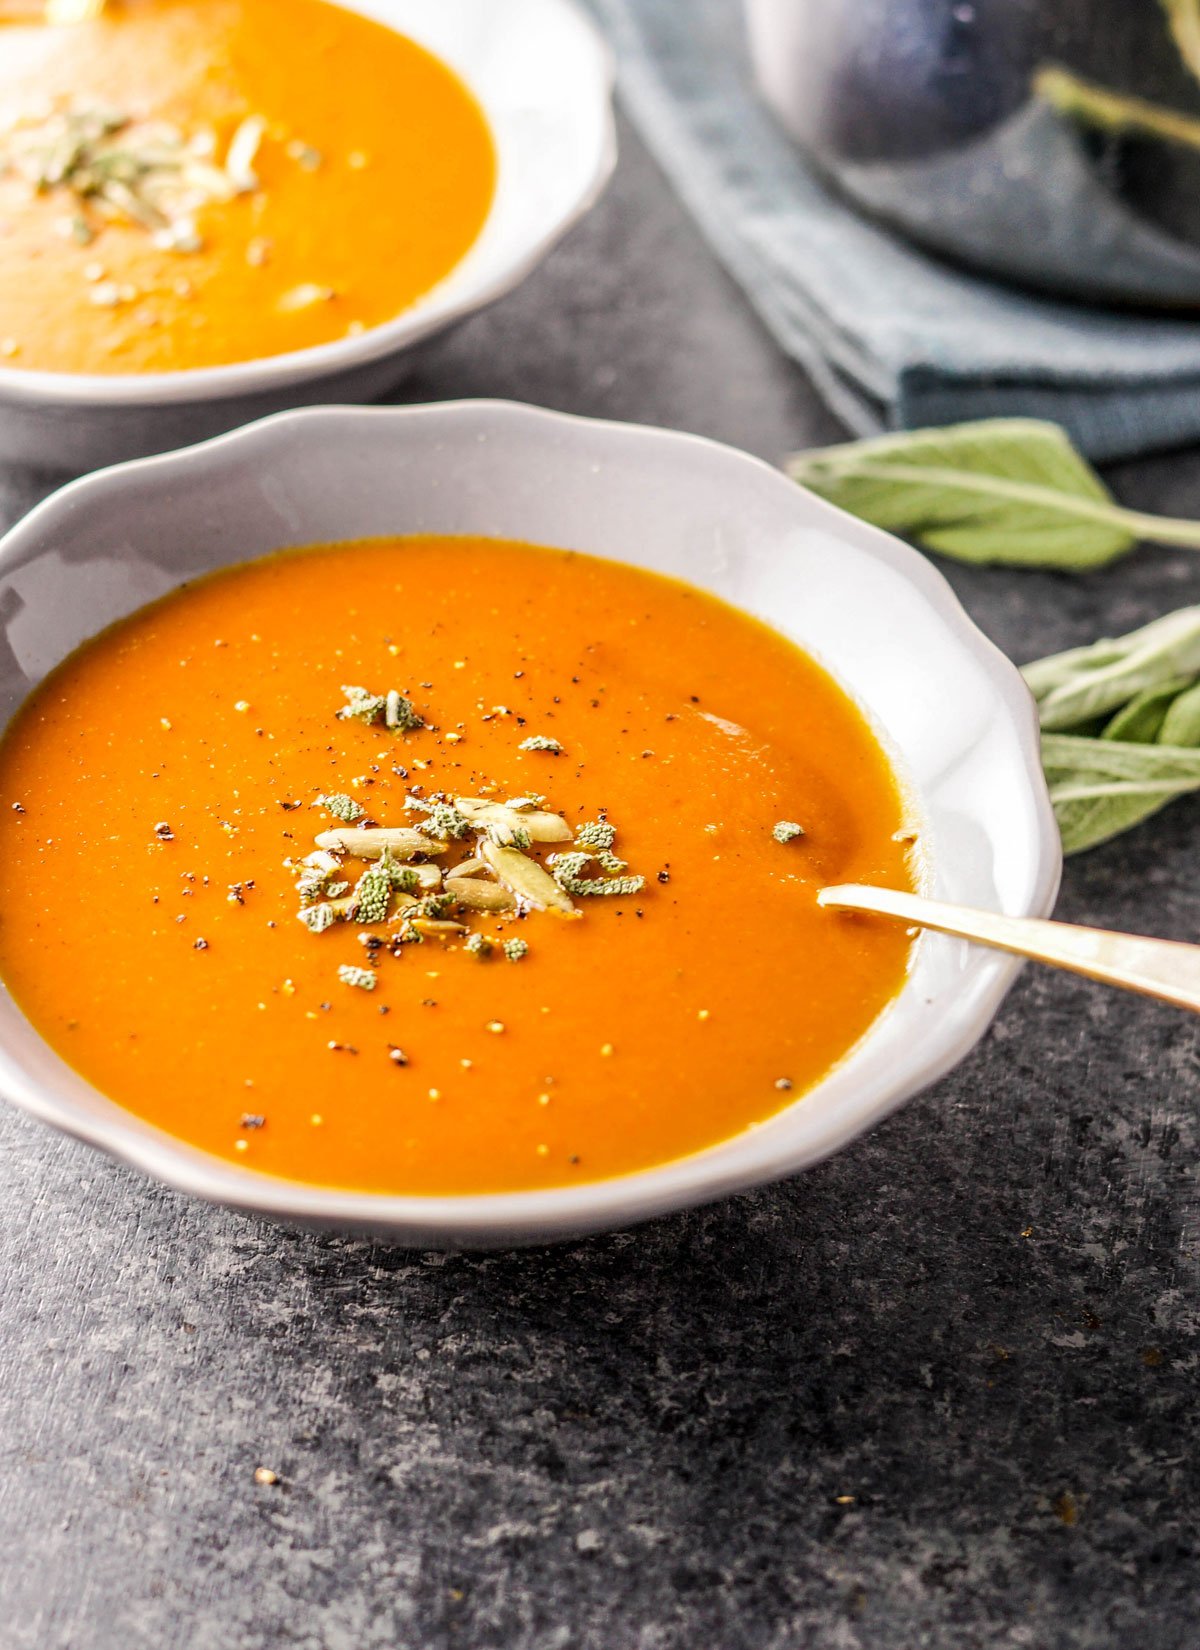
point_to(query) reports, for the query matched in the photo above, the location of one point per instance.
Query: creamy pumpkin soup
(445, 865)
(187, 183)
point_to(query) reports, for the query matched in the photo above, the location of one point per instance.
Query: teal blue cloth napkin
(892, 338)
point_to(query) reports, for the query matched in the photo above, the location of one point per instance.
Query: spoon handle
(1165, 969)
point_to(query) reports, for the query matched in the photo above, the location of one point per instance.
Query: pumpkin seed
(400, 840)
(525, 878)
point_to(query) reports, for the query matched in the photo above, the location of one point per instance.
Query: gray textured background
(939, 1392)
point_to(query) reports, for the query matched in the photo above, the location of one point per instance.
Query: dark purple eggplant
(1046, 141)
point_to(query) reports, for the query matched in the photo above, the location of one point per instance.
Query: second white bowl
(543, 77)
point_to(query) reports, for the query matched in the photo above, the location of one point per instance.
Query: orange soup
(187, 183)
(445, 865)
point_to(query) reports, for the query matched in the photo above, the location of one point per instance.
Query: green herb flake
(362, 706)
(597, 833)
(515, 950)
(478, 945)
(311, 884)
(508, 836)
(442, 819)
(568, 869)
(317, 918)
(342, 807)
(390, 708)
(400, 715)
(787, 830)
(373, 893)
(541, 742)
(433, 906)
(363, 979)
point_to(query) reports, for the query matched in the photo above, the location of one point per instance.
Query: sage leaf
(1073, 687)
(1100, 788)
(1181, 725)
(1132, 707)
(1140, 721)
(1069, 755)
(1010, 491)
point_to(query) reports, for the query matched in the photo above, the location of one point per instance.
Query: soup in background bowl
(300, 194)
(191, 183)
(644, 784)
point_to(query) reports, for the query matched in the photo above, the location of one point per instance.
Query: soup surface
(187, 183)
(162, 790)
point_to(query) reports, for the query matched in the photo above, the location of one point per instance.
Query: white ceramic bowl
(956, 714)
(543, 76)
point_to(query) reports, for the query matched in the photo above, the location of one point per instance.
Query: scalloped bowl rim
(507, 1218)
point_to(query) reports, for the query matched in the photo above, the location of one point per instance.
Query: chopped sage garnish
(341, 807)
(442, 818)
(508, 836)
(317, 918)
(120, 170)
(594, 846)
(568, 873)
(787, 830)
(362, 978)
(399, 714)
(598, 833)
(435, 906)
(498, 875)
(362, 706)
(599, 836)
(315, 872)
(373, 893)
(390, 708)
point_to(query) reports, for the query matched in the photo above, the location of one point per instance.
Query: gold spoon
(1166, 969)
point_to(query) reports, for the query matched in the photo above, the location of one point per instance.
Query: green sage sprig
(1120, 727)
(1008, 491)
(1120, 719)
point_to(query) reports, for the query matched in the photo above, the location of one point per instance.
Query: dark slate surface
(940, 1392)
